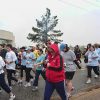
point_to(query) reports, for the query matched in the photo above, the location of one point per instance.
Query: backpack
(61, 65)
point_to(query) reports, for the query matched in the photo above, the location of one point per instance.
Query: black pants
(22, 68)
(95, 69)
(37, 74)
(3, 83)
(28, 75)
(10, 76)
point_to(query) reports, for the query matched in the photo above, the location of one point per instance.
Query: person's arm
(74, 59)
(2, 63)
(95, 55)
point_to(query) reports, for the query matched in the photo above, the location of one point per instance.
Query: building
(7, 37)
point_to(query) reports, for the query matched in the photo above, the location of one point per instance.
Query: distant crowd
(57, 64)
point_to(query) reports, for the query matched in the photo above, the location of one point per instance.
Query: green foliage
(45, 28)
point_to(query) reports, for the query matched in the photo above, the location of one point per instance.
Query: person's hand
(7, 62)
(35, 65)
(48, 64)
(34, 69)
(43, 69)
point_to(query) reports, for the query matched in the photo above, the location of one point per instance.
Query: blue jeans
(37, 74)
(50, 87)
(3, 83)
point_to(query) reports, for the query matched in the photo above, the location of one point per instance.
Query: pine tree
(45, 29)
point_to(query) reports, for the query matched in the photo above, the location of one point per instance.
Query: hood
(55, 48)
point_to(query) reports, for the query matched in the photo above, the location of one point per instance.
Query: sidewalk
(94, 94)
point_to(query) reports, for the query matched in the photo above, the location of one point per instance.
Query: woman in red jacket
(55, 74)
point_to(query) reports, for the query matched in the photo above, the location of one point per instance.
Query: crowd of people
(56, 64)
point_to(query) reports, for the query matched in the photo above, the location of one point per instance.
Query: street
(23, 93)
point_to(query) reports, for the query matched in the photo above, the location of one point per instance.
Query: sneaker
(27, 85)
(96, 76)
(32, 80)
(88, 81)
(69, 95)
(12, 97)
(35, 88)
(10, 87)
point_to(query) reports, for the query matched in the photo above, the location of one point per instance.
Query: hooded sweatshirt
(54, 61)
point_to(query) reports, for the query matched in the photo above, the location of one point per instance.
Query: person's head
(54, 50)
(96, 45)
(3, 45)
(92, 48)
(0, 46)
(40, 51)
(89, 45)
(9, 47)
(77, 47)
(64, 47)
(28, 49)
(22, 49)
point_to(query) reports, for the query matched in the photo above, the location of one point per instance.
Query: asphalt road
(23, 93)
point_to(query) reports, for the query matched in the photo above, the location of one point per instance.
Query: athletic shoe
(12, 97)
(88, 81)
(35, 88)
(27, 85)
(69, 95)
(10, 87)
(96, 76)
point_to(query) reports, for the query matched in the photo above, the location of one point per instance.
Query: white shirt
(93, 59)
(11, 57)
(2, 64)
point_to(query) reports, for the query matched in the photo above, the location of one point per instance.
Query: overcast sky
(79, 20)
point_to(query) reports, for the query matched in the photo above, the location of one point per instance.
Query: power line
(71, 4)
(91, 3)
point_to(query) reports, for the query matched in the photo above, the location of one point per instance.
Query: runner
(39, 69)
(92, 62)
(70, 67)
(55, 74)
(29, 65)
(10, 64)
(2, 80)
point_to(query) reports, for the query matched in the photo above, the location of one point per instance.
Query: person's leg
(89, 69)
(43, 75)
(21, 72)
(9, 75)
(95, 69)
(61, 90)
(3, 83)
(49, 88)
(36, 78)
(13, 77)
(28, 70)
(69, 85)
(5, 87)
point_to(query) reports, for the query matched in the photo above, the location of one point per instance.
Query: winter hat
(62, 46)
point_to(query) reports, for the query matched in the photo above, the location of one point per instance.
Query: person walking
(70, 67)
(38, 66)
(55, 75)
(29, 65)
(10, 64)
(3, 84)
(92, 62)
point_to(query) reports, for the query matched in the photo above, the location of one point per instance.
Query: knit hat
(62, 46)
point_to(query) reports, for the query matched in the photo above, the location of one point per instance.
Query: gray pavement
(23, 93)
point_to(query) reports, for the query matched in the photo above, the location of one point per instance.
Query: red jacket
(51, 75)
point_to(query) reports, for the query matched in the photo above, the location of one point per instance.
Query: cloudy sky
(79, 20)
